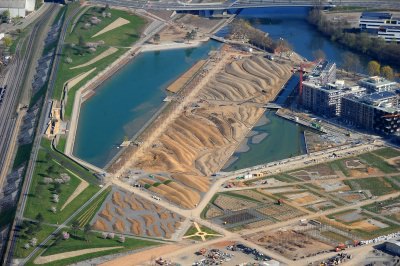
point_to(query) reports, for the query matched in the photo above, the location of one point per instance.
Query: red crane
(302, 68)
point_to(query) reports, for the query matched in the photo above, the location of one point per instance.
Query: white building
(17, 8)
(382, 24)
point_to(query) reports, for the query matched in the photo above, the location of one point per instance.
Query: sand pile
(201, 140)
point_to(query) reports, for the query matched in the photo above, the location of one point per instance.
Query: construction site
(203, 124)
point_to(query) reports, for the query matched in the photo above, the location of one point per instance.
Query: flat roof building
(378, 112)
(393, 246)
(384, 25)
(377, 84)
(17, 8)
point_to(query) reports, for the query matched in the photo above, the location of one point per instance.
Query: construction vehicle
(202, 251)
(280, 202)
(340, 247)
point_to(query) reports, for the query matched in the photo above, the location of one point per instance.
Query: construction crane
(302, 71)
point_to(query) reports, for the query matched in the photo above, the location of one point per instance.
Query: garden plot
(124, 212)
(289, 243)
(351, 196)
(369, 225)
(213, 211)
(229, 203)
(376, 186)
(321, 171)
(259, 196)
(282, 190)
(389, 208)
(333, 185)
(239, 218)
(350, 217)
(322, 206)
(303, 198)
(280, 212)
(356, 168)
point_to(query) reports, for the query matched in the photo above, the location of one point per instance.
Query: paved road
(241, 4)
(30, 48)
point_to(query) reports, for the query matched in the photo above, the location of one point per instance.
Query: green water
(285, 139)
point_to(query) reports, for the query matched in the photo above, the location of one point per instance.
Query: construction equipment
(302, 70)
(280, 202)
(340, 247)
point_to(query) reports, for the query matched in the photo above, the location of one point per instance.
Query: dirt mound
(106, 213)
(149, 219)
(100, 225)
(156, 231)
(119, 225)
(136, 227)
(117, 200)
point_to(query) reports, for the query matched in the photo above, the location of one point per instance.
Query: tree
(81, 41)
(374, 68)
(187, 37)
(75, 227)
(351, 63)
(57, 188)
(7, 41)
(39, 217)
(87, 231)
(387, 72)
(156, 38)
(319, 54)
(6, 14)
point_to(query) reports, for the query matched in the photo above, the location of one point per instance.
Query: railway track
(17, 75)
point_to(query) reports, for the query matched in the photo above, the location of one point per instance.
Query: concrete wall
(14, 12)
(30, 5)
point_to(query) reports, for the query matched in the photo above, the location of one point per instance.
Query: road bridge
(234, 5)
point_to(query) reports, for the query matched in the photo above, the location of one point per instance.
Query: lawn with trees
(80, 46)
(48, 196)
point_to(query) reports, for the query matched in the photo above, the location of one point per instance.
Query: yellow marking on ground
(104, 54)
(116, 24)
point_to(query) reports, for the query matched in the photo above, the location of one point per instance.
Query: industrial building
(384, 25)
(393, 246)
(17, 8)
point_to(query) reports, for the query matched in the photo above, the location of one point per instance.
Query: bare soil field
(291, 244)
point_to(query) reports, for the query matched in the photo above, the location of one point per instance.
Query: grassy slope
(40, 194)
(95, 241)
(121, 37)
(21, 252)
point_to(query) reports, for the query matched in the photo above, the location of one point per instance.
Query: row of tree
(360, 42)
(375, 69)
(243, 31)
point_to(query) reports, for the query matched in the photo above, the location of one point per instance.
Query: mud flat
(214, 121)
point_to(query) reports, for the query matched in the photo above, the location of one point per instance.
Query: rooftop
(376, 15)
(377, 81)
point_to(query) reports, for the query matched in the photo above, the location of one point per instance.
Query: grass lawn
(95, 241)
(86, 215)
(377, 162)
(121, 37)
(387, 153)
(339, 165)
(61, 143)
(40, 194)
(20, 251)
(378, 186)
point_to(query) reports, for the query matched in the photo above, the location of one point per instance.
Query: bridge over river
(243, 4)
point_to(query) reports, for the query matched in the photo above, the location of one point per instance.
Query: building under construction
(378, 112)
(372, 104)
